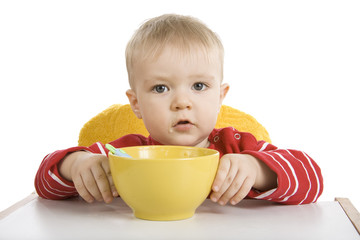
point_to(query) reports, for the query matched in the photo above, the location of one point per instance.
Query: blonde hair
(182, 32)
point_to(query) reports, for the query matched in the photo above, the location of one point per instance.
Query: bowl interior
(168, 152)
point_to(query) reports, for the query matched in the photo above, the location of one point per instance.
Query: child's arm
(49, 183)
(237, 174)
(262, 171)
(58, 176)
(90, 174)
(299, 177)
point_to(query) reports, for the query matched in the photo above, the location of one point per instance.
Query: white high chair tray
(37, 218)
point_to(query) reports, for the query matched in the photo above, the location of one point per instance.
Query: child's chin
(191, 143)
(183, 142)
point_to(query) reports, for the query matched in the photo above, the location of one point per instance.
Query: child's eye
(160, 88)
(199, 86)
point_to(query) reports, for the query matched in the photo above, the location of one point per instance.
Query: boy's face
(178, 96)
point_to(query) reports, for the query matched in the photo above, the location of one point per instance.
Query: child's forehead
(191, 52)
(174, 64)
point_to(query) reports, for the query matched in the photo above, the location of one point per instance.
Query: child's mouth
(183, 122)
(183, 125)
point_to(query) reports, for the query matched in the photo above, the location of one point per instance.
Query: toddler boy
(175, 69)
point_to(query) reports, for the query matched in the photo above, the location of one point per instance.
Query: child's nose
(181, 101)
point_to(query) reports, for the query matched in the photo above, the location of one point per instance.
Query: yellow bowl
(164, 182)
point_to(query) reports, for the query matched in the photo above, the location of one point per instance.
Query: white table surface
(251, 219)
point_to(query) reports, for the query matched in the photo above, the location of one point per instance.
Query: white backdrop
(293, 65)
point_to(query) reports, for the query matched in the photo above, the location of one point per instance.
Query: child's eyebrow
(166, 78)
(202, 77)
(158, 77)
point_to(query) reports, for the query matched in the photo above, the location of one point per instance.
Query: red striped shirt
(299, 177)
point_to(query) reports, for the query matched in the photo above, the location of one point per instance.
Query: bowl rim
(212, 152)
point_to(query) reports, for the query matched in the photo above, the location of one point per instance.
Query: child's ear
(134, 102)
(224, 88)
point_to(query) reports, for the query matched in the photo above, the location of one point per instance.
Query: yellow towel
(119, 120)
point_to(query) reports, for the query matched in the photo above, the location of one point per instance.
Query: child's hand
(235, 177)
(90, 174)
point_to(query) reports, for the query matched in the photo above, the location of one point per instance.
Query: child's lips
(183, 125)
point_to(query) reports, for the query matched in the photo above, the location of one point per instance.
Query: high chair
(119, 120)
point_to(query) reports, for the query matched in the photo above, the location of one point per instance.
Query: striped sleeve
(48, 181)
(299, 177)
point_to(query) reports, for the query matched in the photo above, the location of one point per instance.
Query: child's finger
(106, 167)
(81, 189)
(221, 174)
(229, 178)
(91, 185)
(233, 188)
(102, 183)
(243, 191)
(112, 187)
